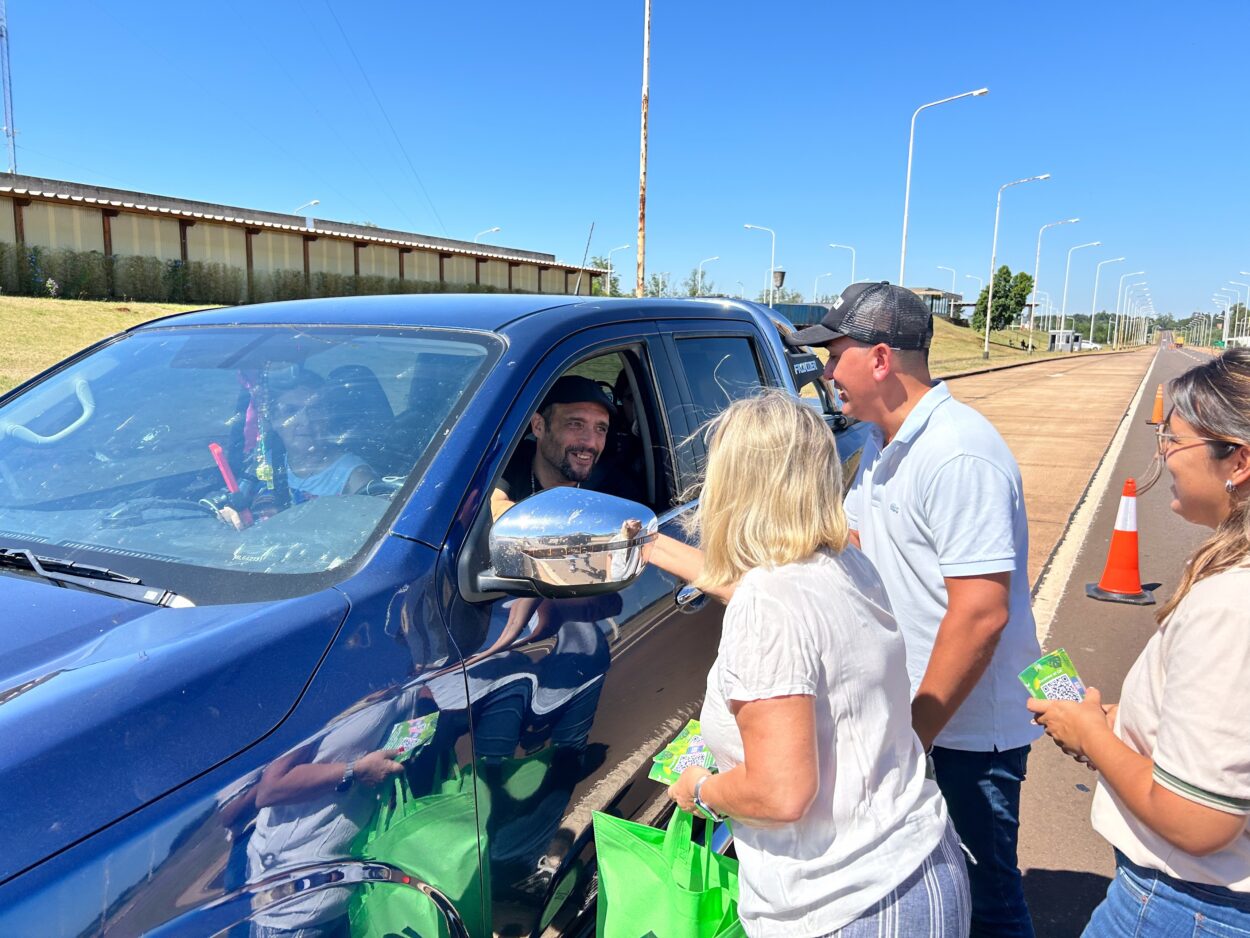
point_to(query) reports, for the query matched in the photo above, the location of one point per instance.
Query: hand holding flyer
(1053, 677)
(687, 749)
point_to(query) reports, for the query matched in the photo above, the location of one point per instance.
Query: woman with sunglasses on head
(807, 710)
(1174, 758)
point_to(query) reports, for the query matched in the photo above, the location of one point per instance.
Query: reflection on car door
(567, 719)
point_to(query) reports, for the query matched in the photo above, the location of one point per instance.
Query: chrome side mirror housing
(565, 542)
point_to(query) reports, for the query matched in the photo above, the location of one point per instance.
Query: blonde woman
(1174, 757)
(808, 707)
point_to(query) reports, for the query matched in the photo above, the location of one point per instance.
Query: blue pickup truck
(267, 664)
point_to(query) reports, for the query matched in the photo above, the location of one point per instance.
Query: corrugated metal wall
(134, 232)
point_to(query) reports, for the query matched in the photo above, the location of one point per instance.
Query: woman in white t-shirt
(808, 703)
(1174, 757)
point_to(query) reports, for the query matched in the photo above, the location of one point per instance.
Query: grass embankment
(36, 333)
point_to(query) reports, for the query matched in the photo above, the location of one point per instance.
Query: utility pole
(640, 287)
(9, 132)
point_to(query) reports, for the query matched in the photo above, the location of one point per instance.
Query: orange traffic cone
(1156, 416)
(1121, 578)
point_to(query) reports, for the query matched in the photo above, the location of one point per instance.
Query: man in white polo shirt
(938, 506)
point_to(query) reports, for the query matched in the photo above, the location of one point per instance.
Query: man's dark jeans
(982, 791)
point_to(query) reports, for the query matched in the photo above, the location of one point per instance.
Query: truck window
(719, 370)
(633, 461)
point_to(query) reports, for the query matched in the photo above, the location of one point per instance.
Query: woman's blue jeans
(1143, 903)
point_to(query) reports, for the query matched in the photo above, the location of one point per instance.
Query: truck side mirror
(567, 542)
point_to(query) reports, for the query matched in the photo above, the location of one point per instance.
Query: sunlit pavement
(1068, 866)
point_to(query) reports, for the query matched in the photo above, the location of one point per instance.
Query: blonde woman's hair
(1214, 398)
(772, 491)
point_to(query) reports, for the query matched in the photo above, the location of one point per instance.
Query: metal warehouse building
(262, 248)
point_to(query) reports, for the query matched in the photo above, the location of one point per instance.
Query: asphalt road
(1067, 866)
(1057, 417)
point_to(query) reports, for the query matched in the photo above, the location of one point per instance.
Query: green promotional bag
(660, 883)
(435, 838)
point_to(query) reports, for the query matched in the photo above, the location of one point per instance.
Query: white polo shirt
(944, 499)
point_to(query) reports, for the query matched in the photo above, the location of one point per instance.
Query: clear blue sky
(788, 114)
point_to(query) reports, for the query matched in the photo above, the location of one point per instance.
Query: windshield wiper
(89, 577)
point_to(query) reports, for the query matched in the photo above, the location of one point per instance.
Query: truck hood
(130, 701)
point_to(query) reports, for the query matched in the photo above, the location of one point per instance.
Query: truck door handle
(690, 599)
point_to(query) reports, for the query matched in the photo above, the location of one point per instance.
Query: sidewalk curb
(1036, 361)
(1049, 591)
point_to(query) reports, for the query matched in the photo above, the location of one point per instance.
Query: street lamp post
(1093, 304)
(1063, 309)
(852, 250)
(772, 263)
(698, 288)
(487, 231)
(816, 285)
(952, 270)
(1119, 294)
(911, 140)
(1243, 306)
(309, 204)
(623, 247)
(980, 286)
(1037, 267)
(989, 302)
(1125, 316)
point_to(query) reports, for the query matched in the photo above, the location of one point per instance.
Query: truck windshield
(274, 450)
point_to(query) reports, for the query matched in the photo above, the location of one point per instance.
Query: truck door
(569, 700)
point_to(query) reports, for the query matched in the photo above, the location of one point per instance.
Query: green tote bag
(435, 838)
(661, 883)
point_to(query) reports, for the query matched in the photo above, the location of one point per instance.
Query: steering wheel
(142, 510)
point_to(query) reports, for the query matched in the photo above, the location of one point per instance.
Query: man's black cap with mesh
(873, 313)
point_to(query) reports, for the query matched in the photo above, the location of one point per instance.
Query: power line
(378, 102)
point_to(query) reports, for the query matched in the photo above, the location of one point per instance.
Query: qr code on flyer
(690, 759)
(1060, 687)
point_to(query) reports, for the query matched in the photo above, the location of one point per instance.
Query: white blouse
(823, 627)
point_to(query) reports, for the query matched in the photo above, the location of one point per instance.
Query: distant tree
(1010, 296)
(691, 286)
(781, 296)
(659, 285)
(614, 288)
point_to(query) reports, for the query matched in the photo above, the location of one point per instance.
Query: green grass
(40, 332)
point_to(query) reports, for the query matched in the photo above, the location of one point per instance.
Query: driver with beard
(570, 431)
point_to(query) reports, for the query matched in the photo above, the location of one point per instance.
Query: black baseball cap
(873, 313)
(575, 389)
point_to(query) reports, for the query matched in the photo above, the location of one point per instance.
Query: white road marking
(1059, 569)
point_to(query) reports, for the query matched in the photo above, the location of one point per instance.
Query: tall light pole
(1243, 306)
(1037, 267)
(1063, 309)
(308, 222)
(989, 301)
(1228, 311)
(698, 290)
(623, 247)
(1093, 304)
(487, 231)
(742, 291)
(772, 263)
(847, 247)
(1245, 316)
(911, 141)
(816, 285)
(952, 270)
(1121, 329)
(980, 286)
(1119, 294)
(640, 286)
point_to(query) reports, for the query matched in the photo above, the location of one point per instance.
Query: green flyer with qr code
(686, 750)
(1053, 677)
(412, 736)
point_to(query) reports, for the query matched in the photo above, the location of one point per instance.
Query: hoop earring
(1229, 487)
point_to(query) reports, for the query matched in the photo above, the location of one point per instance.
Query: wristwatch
(349, 776)
(704, 808)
